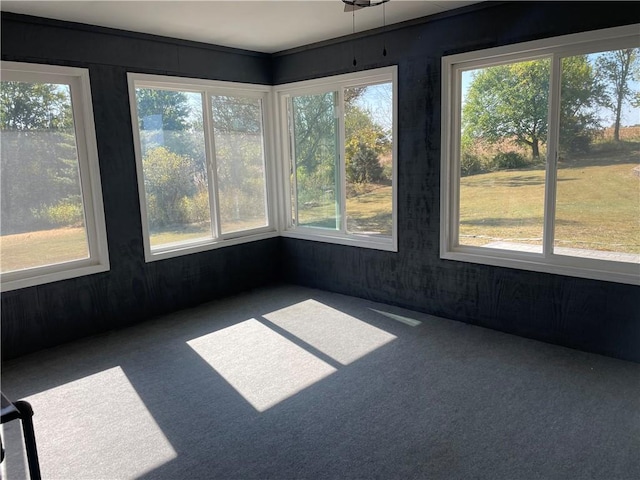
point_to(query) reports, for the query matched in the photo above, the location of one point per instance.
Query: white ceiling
(264, 26)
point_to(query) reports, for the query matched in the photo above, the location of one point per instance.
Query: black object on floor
(22, 410)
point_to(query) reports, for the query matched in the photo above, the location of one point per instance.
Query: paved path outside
(572, 252)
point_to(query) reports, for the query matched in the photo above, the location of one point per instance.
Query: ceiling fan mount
(352, 5)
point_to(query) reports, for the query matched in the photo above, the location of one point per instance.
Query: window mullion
(553, 142)
(77, 106)
(291, 166)
(453, 166)
(342, 162)
(266, 162)
(212, 181)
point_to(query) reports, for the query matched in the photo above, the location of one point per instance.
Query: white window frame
(320, 86)
(208, 88)
(555, 49)
(89, 176)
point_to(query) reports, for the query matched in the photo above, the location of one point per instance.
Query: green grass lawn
(201, 231)
(45, 247)
(371, 212)
(368, 212)
(597, 207)
(504, 206)
(188, 232)
(48, 247)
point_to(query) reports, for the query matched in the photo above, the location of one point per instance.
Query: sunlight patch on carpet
(336, 334)
(261, 365)
(100, 418)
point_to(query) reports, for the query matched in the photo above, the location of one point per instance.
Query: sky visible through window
(377, 100)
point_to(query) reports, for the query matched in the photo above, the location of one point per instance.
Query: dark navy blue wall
(46, 315)
(592, 315)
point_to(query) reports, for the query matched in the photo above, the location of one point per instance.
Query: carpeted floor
(293, 383)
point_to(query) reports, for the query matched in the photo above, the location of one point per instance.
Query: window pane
(239, 150)
(598, 191)
(315, 143)
(369, 158)
(502, 155)
(42, 217)
(174, 166)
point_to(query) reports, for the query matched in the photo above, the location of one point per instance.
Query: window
(540, 156)
(338, 145)
(203, 173)
(52, 219)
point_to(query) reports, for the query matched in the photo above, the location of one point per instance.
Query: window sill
(178, 250)
(53, 273)
(556, 264)
(362, 241)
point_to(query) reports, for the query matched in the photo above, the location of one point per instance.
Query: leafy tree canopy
(511, 101)
(237, 115)
(162, 109)
(39, 158)
(315, 127)
(361, 129)
(34, 106)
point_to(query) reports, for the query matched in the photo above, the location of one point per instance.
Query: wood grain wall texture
(592, 315)
(50, 314)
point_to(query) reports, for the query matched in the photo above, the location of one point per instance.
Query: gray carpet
(293, 383)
